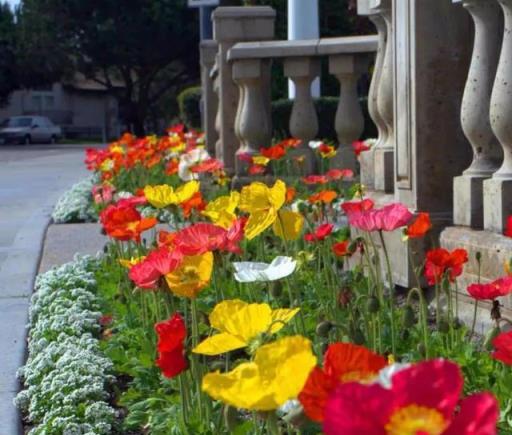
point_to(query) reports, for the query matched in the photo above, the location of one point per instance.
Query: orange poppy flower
(166, 238)
(290, 194)
(343, 362)
(340, 249)
(196, 202)
(275, 152)
(125, 222)
(325, 196)
(172, 167)
(419, 227)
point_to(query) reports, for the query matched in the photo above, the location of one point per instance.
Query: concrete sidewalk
(31, 180)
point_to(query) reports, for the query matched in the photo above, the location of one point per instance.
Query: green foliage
(326, 111)
(189, 101)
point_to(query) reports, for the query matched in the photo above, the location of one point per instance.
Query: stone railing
(483, 192)
(349, 58)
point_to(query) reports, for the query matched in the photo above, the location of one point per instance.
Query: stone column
(468, 188)
(232, 25)
(432, 52)
(303, 120)
(367, 159)
(210, 101)
(349, 122)
(384, 151)
(253, 124)
(498, 189)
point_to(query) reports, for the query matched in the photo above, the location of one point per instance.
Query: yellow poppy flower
(221, 211)
(239, 323)
(288, 225)
(192, 276)
(262, 203)
(277, 374)
(260, 160)
(164, 195)
(130, 262)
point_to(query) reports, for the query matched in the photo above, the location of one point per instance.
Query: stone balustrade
(251, 62)
(482, 194)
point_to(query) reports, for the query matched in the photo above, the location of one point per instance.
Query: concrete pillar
(349, 121)
(498, 189)
(303, 23)
(432, 52)
(468, 188)
(232, 25)
(209, 98)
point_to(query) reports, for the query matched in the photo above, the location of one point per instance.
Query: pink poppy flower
(388, 218)
(498, 288)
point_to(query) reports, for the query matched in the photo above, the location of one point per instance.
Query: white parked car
(29, 129)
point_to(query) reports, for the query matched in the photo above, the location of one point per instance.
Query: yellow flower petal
(221, 211)
(277, 194)
(288, 225)
(260, 160)
(278, 374)
(254, 197)
(281, 317)
(245, 321)
(219, 343)
(192, 276)
(186, 191)
(129, 262)
(160, 196)
(258, 222)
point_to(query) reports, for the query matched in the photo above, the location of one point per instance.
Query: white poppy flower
(314, 144)
(281, 267)
(192, 158)
(386, 374)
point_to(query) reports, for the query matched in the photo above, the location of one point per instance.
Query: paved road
(32, 177)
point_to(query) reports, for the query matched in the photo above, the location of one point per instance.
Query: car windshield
(17, 122)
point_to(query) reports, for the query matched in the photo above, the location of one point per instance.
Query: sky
(13, 2)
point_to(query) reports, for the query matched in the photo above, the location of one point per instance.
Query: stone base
(468, 204)
(384, 170)
(367, 164)
(495, 250)
(497, 203)
(344, 159)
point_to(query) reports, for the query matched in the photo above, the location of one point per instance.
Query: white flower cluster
(76, 205)
(66, 375)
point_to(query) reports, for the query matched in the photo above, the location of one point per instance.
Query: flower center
(190, 274)
(358, 376)
(416, 420)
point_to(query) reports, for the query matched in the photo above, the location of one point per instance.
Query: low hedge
(189, 102)
(326, 110)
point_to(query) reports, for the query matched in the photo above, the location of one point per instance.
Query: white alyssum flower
(280, 267)
(76, 205)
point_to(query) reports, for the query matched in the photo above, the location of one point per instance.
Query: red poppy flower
(290, 143)
(244, 157)
(359, 147)
(208, 165)
(124, 222)
(320, 233)
(343, 362)
(158, 263)
(498, 288)
(166, 238)
(172, 167)
(387, 218)
(274, 152)
(171, 338)
(256, 170)
(144, 275)
(325, 196)
(340, 249)
(503, 345)
(315, 179)
(419, 227)
(327, 151)
(132, 201)
(440, 261)
(353, 206)
(423, 399)
(508, 228)
(339, 174)
(234, 236)
(290, 193)
(196, 202)
(200, 238)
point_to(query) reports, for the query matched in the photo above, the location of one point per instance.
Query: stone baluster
(367, 159)
(253, 124)
(468, 188)
(498, 189)
(349, 121)
(214, 76)
(209, 101)
(384, 151)
(303, 120)
(232, 25)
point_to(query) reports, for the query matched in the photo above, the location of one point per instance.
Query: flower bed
(244, 317)
(66, 376)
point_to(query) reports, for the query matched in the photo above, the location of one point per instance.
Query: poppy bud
(478, 256)
(409, 317)
(296, 417)
(457, 323)
(373, 305)
(358, 337)
(217, 365)
(303, 207)
(323, 328)
(404, 335)
(344, 297)
(231, 418)
(495, 310)
(443, 326)
(353, 246)
(276, 289)
(490, 336)
(103, 232)
(422, 350)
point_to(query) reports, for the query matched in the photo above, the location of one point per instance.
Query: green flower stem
(392, 294)
(272, 424)
(423, 316)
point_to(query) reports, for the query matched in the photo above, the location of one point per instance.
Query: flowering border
(66, 375)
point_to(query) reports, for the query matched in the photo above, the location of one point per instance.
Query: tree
(139, 49)
(8, 75)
